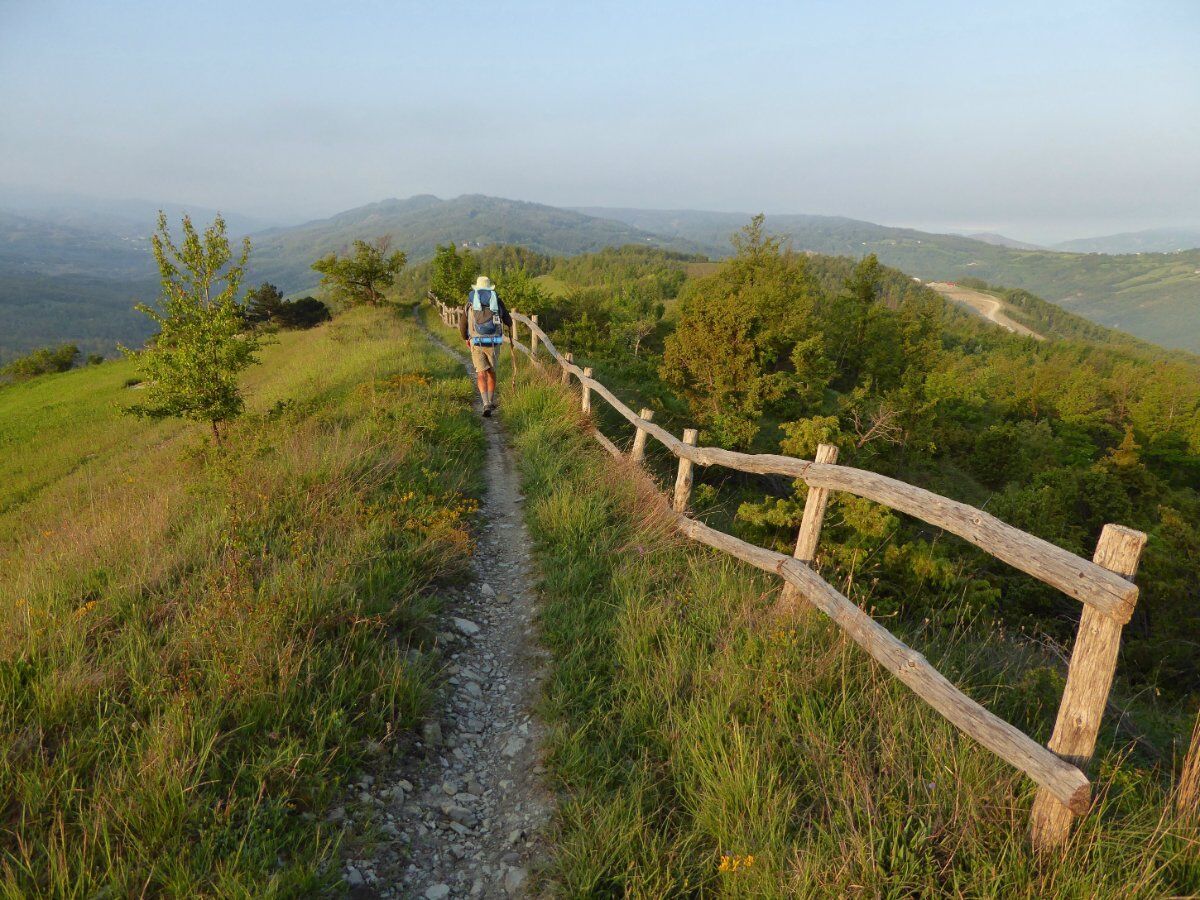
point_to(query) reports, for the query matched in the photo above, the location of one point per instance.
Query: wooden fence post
(683, 481)
(638, 453)
(1089, 678)
(790, 600)
(587, 391)
(533, 339)
(566, 373)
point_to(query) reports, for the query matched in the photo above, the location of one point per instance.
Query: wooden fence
(1104, 585)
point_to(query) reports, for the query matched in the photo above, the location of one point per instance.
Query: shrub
(42, 362)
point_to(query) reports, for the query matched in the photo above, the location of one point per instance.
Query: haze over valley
(72, 267)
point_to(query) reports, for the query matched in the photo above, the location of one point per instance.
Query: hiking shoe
(487, 411)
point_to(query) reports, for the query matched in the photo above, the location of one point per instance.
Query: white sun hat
(483, 283)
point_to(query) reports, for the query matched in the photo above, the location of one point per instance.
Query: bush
(42, 362)
(303, 313)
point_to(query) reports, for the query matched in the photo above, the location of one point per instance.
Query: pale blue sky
(1045, 119)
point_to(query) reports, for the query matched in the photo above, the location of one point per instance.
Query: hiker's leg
(491, 384)
(481, 381)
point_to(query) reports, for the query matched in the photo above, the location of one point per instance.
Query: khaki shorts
(483, 358)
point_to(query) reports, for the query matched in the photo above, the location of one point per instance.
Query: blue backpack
(484, 324)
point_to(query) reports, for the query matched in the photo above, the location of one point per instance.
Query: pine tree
(263, 303)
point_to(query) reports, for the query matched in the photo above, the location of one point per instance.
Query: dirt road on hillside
(465, 814)
(984, 304)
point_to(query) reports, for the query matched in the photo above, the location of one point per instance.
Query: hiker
(482, 327)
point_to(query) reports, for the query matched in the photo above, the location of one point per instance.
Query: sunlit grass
(705, 749)
(196, 645)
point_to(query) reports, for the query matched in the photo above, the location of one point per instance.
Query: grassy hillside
(704, 749)
(1155, 296)
(195, 646)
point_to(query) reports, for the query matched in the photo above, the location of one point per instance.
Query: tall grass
(704, 749)
(195, 645)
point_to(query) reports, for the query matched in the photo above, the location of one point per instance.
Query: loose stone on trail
(463, 814)
(466, 626)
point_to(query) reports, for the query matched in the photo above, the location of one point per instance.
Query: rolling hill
(1155, 296)
(1000, 240)
(1154, 240)
(417, 225)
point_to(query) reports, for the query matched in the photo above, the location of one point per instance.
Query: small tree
(452, 274)
(191, 366)
(362, 276)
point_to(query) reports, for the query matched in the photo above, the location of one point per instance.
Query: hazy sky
(1045, 120)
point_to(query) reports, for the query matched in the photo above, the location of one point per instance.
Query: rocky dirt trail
(463, 814)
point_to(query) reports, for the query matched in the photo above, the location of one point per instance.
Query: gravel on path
(464, 813)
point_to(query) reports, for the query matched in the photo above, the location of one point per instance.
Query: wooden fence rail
(1104, 585)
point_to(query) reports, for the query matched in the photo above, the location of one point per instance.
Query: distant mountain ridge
(1000, 240)
(88, 271)
(1153, 240)
(419, 224)
(120, 217)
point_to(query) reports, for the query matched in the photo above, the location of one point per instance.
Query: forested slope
(776, 351)
(1152, 295)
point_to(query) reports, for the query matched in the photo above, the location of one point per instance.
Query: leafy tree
(263, 303)
(364, 275)
(94, 359)
(42, 362)
(519, 291)
(850, 314)
(191, 366)
(747, 341)
(452, 273)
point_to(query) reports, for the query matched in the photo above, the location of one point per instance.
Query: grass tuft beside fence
(705, 747)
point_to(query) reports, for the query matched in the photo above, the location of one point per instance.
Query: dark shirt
(462, 322)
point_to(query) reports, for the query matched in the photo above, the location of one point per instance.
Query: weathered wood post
(1089, 678)
(683, 480)
(587, 391)
(533, 339)
(638, 453)
(512, 345)
(790, 601)
(566, 373)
